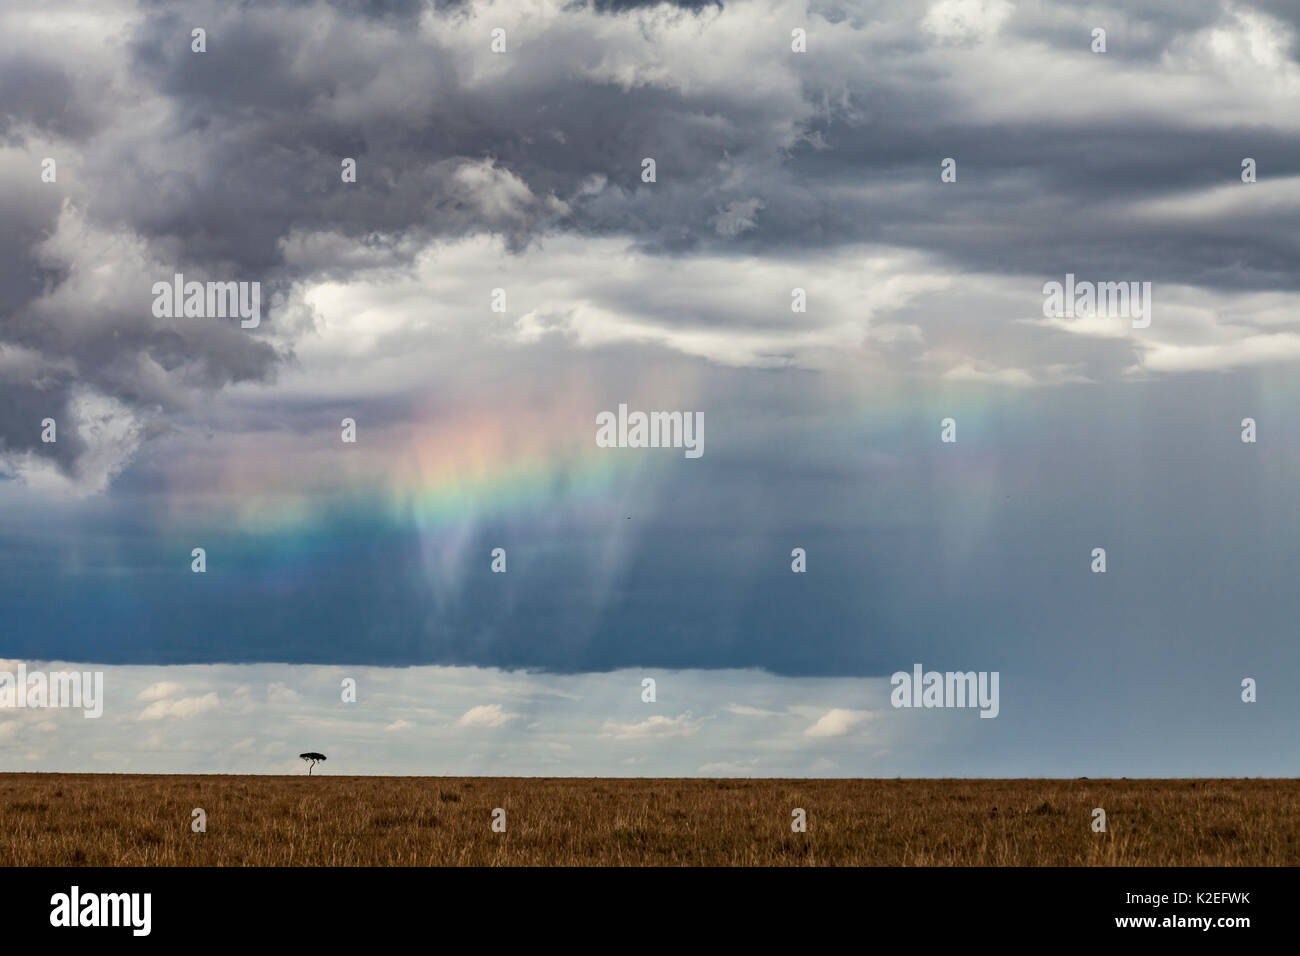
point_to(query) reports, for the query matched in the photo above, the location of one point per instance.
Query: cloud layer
(783, 179)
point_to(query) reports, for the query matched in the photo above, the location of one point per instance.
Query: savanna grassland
(145, 820)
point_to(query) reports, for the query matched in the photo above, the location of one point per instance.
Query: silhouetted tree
(312, 758)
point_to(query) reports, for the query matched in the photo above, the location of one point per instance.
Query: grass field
(145, 820)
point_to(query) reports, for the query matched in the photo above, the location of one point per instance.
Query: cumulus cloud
(838, 722)
(485, 715)
(159, 690)
(824, 156)
(964, 20)
(656, 727)
(180, 708)
(280, 693)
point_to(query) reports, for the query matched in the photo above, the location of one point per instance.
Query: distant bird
(313, 759)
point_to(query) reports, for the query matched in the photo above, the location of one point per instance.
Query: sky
(502, 271)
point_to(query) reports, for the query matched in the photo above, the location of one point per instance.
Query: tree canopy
(313, 758)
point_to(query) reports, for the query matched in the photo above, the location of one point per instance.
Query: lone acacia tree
(312, 759)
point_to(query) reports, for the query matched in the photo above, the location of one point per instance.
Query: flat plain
(325, 820)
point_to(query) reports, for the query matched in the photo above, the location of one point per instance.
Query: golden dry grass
(144, 820)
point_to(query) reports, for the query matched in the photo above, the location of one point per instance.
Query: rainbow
(442, 476)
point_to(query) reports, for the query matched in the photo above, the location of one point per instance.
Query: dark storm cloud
(823, 168)
(39, 94)
(240, 150)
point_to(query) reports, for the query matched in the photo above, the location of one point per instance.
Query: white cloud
(838, 723)
(425, 722)
(499, 196)
(281, 693)
(741, 710)
(163, 688)
(181, 707)
(485, 715)
(657, 726)
(955, 21)
(1247, 350)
